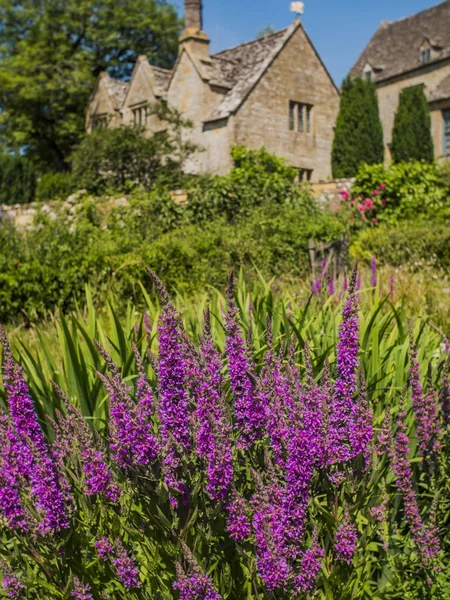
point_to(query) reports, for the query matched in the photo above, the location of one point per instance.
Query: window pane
(308, 119)
(446, 115)
(300, 116)
(291, 115)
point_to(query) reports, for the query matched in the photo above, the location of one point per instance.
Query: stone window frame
(305, 174)
(142, 113)
(425, 56)
(446, 131)
(99, 121)
(301, 117)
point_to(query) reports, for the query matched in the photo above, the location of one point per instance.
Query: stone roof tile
(395, 47)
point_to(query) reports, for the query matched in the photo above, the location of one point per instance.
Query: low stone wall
(328, 194)
(22, 215)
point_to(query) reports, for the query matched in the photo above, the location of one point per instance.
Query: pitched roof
(116, 89)
(441, 92)
(239, 68)
(395, 47)
(162, 78)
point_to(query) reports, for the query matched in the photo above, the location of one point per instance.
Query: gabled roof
(161, 78)
(241, 67)
(116, 89)
(441, 92)
(395, 47)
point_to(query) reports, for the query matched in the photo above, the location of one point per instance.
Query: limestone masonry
(412, 51)
(273, 92)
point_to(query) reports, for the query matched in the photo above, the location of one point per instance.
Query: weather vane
(298, 8)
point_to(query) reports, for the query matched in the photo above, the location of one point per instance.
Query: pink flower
(360, 208)
(368, 204)
(375, 220)
(383, 201)
(345, 195)
(382, 186)
(375, 193)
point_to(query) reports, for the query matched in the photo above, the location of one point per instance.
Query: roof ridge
(273, 33)
(160, 68)
(389, 23)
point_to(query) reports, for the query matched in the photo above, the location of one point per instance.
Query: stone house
(409, 52)
(274, 91)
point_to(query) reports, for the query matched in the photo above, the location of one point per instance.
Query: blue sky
(339, 29)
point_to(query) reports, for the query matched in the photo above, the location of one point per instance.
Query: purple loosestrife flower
(127, 569)
(104, 547)
(11, 506)
(273, 567)
(342, 414)
(80, 591)
(238, 524)
(373, 266)
(213, 429)
(424, 406)
(248, 411)
(73, 432)
(444, 395)
(331, 287)
(133, 444)
(36, 465)
(11, 585)
(310, 566)
(391, 286)
(195, 585)
(384, 438)
(424, 539)
(346, 539)
(362, 429)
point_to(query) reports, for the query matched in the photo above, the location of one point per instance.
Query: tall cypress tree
(411, 135)
(358, 135)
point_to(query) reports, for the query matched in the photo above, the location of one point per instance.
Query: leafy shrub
(358, 137)
(123, 158)
(54, 186)
(267, 470)
(411, 134)
(412, 243)
(410, 189)
(17, 180)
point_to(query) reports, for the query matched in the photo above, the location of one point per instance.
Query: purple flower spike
(373, 266)
(238, 524)
(195, 585)
(310, 567)
(11, 585)
(424, 539)
(346, 540)
(127, 569)
(33, 457)
(80, 591)
(248, 411)
(424, 406)
(343, 411)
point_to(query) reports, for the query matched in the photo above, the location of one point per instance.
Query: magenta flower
(195, 585)
(248, 411)
(346, 540)
(342, 416)
(81, 591)
(309, 569)
(373, 266)
(238, 524)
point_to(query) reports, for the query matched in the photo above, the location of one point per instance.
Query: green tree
(411, 135)
(123, 157)
(17, 180)
(358, 137)
(51, 53)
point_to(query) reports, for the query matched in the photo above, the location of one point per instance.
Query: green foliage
(50, 57)
(386, 564)
(17, 180)
(412, 190)
(358, 137)
(122, 158)
(54, 186)
(411, 243)
(411, 135)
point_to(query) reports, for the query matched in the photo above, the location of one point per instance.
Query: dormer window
(367, 72)
(425, 56)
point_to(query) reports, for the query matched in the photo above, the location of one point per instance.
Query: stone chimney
(193, 36)
(193, 14)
